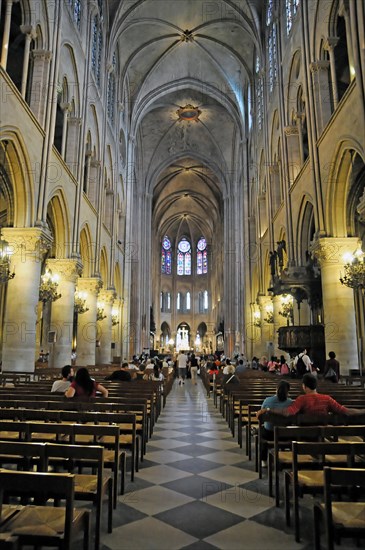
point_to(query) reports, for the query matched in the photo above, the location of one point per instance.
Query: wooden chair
(344, 518)
(38, 524)
(310, 481)
(90, 487)
(23, 454)
(114, 456)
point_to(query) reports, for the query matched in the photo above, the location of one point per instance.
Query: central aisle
(196, 490)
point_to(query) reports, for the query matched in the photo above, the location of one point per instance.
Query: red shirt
(315, 403)
(80, 392)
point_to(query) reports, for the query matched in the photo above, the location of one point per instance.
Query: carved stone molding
(107, 296)
(27, 242)
(67, 269)
(46, 55)
(330, 250)
(331, 43)
(317, 66)
(291, 130)
(92, 285)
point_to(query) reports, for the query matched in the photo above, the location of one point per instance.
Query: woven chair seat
(311, 478)
(348, 514)
(287, 457)
(39, 520)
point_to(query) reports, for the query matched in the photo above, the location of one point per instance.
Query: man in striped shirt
(313, 403)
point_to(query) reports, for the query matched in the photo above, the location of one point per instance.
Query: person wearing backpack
(303, 364)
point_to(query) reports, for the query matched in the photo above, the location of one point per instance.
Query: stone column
(279, 321)
(39, 92)
(116, 329)
(30, 34)
(338, 301)
(6, 34)
(28, 246)
(292, 140)
(320, 80)
(62, 316)
(72, 147)
(106, 297)
(86, 325)
(330, 45)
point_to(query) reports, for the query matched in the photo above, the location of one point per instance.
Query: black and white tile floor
(196, 489)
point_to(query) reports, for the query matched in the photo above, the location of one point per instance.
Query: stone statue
(281, 247)
(272, 262)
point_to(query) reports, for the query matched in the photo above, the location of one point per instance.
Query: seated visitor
(312, 402)
(63, 384)
(85, 386)
(121, 374)
(278, 401)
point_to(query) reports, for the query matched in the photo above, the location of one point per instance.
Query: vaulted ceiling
(175, 53)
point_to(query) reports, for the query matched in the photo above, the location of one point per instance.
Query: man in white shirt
(182, 361)
(60, 386)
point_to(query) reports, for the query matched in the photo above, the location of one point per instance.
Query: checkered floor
(196, 489)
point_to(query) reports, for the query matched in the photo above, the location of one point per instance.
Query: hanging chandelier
(354, 276)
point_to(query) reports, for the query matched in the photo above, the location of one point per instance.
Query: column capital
(274, 168)
(46, 55)
(66, 107)
(27, 242)
(91, 285)
(67, 269)
(330, 250)
(108, 296)
(291, 130)
(317, 66)
(29, 31)
(330, 43)
(95, 163)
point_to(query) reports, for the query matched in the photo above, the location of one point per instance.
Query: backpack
(301, 367)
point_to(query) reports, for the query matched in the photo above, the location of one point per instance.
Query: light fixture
(354, 270)
(188, 113)
(100, 312)
(287, 308)
(257, 319)
(49, 286)
(5, 273)
(80, 302)
(115, 317)
(269, 317)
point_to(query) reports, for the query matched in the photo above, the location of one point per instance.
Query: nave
(196, 489)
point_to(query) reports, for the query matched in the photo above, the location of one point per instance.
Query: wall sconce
(80, 303)
(354, 270)
(48, 289)
(257, 319)
(115, 317)
(5, 253)
(100, 313)
(287, 310)
(269, 317)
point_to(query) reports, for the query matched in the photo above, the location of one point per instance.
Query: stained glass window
(96, 47)
(272, 58)
(291, 9)
(166, 256)
(75, 6)
(201, 257)
(184, 257)
(180, 263)
(111, 89)
(269, 12)
(205, 300)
